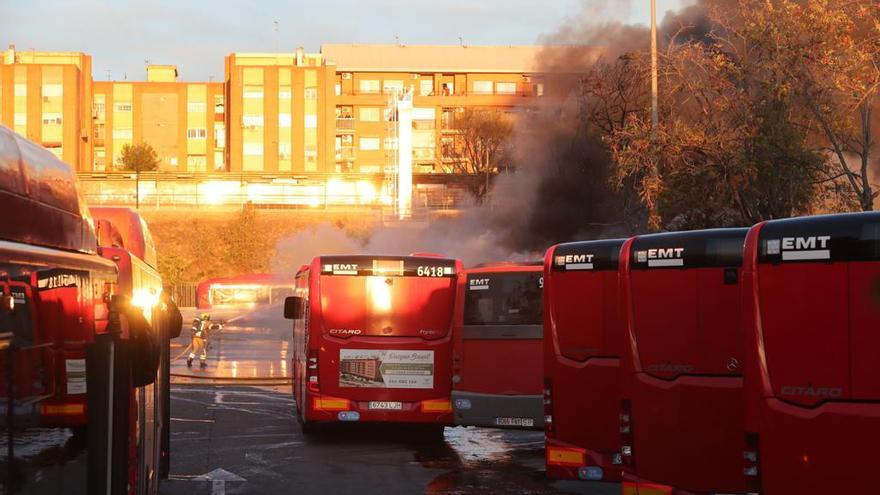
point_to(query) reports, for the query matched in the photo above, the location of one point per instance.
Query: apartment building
(185, 122)
(443, 81)
(46, 96)
(274, 113)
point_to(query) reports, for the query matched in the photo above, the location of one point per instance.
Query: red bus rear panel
(682, 417)
(812, 314)
(373, 342)
(498, 361)
(582, 346)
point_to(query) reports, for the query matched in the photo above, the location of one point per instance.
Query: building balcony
(345, 154)
(345, 124)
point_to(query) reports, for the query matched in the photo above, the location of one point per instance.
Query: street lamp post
(654, 114)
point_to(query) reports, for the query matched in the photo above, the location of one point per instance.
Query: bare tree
(478, 149)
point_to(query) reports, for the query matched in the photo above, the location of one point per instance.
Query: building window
(369, 86)
(196, 107)
(196, 163)
(338, 89)
(122, 133)
(284, 93)
(369, 144)
(253, 149)
(505, 88)
(369, 114)
(20, 119)
(99, 110)
(252, 120)
(218, 161)
(197, 133)
(219, 104)
(391, 143)
(426, 87)
(220, 135)
(539, 89)
(284, 150)
(253, 92)
(100, 160)
(483, 87)
(310, 93)
(123, 107)
(311, 121)
(392, 86)
(284, 120)
(51, 90)
(51, 119)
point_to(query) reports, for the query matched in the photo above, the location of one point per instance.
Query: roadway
(233, 431)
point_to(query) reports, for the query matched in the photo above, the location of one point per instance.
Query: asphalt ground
(233, 431)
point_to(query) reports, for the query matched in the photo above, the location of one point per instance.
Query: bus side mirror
(293, 307)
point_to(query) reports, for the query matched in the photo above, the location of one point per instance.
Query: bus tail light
(626, 434)
(312, 371)
(330, 404)
(751, 463)
(437, 406)
(65, 409)
(549, 427)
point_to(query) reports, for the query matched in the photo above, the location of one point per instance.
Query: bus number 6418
(429, 271)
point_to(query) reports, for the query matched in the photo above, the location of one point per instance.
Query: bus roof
(841, 237)
(595, 255)
(694, 249)
(133, 229)
(45, 194)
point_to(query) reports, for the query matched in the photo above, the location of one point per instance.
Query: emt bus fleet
(498, 335)
(77, 356)
(811, 293)
(582, 348)
(372, 339)
(682, 408)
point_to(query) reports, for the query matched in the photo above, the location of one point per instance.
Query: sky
(122, 35)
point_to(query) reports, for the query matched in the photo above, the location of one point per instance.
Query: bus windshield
(503, 299)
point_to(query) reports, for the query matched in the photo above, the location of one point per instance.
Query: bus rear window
(503, 299)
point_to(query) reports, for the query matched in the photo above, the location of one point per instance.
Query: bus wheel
(431, 433)
(309, 428)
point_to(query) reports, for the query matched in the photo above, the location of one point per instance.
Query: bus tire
(431, 433)
(309, 428)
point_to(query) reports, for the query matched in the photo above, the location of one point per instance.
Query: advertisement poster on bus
(386, 368)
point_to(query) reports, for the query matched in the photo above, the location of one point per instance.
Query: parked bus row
(84, 329)
(724, 360)
(717, 361)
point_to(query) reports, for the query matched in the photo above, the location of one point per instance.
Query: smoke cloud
(559, 190)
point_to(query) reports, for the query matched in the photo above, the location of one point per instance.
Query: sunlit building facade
(320, 114)
(46, 96)
(185, 122)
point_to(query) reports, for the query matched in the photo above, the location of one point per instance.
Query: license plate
(385, 405)
(526, 422)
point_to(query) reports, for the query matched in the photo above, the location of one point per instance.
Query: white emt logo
(575, 261)
(800, 248)
(661, 256)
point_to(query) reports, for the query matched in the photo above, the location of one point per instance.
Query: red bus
(372, 339)
(124, 238)
(249, 289)
(681, 418)
(497, 358)
(67, 351)
(811, 311)
(582, 348)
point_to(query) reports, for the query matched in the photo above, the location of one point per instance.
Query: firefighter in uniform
(200, 340)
